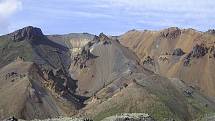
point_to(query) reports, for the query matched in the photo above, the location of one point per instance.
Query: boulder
(178, 52)
(148, 60)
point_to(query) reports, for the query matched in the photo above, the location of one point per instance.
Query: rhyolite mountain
(186, 54)
(89, 76)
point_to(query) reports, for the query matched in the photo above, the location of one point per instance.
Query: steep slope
(111, 75)
(100, 62)
(30, 44)
(23, 97)
(45, 87)
(186, 54)
(156, 96)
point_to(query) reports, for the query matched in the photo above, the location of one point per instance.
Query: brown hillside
(195, 67)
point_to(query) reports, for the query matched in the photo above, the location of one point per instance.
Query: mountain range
(166, 74)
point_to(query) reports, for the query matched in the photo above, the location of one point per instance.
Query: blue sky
(112, 17)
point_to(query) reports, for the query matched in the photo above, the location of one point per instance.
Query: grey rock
(149, 60)
(130, 117)
(178, 52)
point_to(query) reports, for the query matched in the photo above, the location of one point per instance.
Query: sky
(113, 17)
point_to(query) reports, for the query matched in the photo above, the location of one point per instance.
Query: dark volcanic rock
(149, 60)
(27, 33)
(178, 52)
(103, 37)
(197, 52)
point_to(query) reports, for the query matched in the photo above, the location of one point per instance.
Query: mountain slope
(111, 75)
(30, 44)
(45, 87)
(100, 62)
(193, 61)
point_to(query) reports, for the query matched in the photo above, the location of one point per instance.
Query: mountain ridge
(95, 77)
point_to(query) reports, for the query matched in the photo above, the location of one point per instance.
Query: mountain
(112, 76)
(36, 70)
(185, 54)
(30, 44)
(95, 77)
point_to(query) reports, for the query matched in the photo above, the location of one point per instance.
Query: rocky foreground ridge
(121, 117)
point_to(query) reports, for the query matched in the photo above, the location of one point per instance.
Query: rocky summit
(164, 75)
(27, 33)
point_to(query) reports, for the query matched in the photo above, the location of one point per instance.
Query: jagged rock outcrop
(171, 33)
(197, 52)
(178, 52)
(149, 60)
(103, 37)
(86, 54)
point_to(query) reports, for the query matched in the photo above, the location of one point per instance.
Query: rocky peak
(27, 33)
(103, 37)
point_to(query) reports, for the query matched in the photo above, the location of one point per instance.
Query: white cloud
(193, 13)
(113, 15)
(7, 9)
(163, 4)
